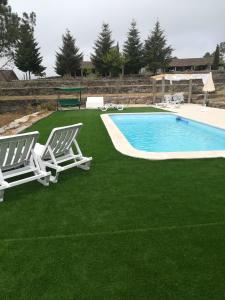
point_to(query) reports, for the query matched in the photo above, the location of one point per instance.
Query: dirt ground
(9, 117)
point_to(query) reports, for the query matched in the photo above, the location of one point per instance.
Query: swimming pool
(164, 135)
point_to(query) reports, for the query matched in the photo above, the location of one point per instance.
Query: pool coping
(123, 146)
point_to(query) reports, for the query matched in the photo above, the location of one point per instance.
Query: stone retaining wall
(137, 90)
(26, 105)
(98, 90)
(136, 84)
(218, 77)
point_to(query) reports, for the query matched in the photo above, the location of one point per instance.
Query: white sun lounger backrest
(60, 140)
(15, 150)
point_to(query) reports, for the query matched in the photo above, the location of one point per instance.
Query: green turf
(127, 229)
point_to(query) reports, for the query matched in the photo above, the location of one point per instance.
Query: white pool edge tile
(123, 146)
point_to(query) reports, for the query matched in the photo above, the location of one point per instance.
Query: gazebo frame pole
(58, 98)
(154, 90)
(205, 101)
(205, 98)
(190, 91)
(163, 88)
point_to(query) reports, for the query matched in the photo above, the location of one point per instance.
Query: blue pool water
(168, 133)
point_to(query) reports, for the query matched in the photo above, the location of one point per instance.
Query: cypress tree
(156, 52)
(102, 46)
(27, 55)
(69, 59)
(132, 50)
(216, 59)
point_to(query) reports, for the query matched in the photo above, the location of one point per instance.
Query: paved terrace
(209, 115)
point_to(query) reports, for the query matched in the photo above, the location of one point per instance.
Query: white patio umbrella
(208, 87)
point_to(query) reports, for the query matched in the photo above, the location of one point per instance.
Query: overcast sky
(192, 27)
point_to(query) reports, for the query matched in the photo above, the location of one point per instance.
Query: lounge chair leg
(54, 179)
(85, 166)
(44, 181)
(1, 196)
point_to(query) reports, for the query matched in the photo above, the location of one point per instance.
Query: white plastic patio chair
(112, 106)
(166, 101)
(178, 99)
(17, 158)
(58, 155)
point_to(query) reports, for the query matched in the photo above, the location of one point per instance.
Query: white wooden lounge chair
(58, 155)
(17, 158)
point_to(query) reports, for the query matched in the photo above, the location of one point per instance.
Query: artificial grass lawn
(126, 229)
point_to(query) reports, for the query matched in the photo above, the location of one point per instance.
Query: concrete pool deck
(212, 116)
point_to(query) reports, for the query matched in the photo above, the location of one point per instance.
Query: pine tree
(69, 59)
(133, 52)
(207, 54)
(10, 26)
(102, 46)
(216, 59)
(156, 52)
(113, 60)
(27, 55)
(9, 29)
(222, 52)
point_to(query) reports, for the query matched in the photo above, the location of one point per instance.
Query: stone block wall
(137, 89)
(26, 106)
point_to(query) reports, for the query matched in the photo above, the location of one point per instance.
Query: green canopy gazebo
(69, 102)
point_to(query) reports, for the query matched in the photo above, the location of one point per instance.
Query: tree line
(107, 58)
(18, 45)
(218, 56)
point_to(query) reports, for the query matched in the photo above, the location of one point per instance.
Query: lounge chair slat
(10, 153)
(60, 143)
(19, 152)
(26, 149)
(67, 144)
(67, 137)
(19, 171)
(55, 140)
(72, 138)
(3, 153)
